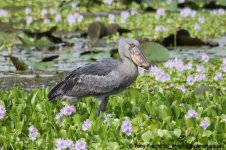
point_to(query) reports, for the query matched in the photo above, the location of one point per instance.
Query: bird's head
(132, 50)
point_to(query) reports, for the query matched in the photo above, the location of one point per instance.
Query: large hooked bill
(139, 59)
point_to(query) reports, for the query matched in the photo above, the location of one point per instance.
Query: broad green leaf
(155, 52)
(177, 132)
(147, 136)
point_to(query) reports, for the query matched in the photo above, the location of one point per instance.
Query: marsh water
(46, 74)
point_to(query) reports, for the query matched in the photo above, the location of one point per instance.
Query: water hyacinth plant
(2, 112)
(33, 133)
(126, 127)
(158, 109)
(177, 102)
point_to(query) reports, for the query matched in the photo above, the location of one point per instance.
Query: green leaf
(177, 132)
(160, 133)
(113, 145)
(155, 52)
(207, 133)
(34, 97)
(147, 136)
(221, 2)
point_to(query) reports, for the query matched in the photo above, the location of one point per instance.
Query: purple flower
(46, 21)
(86, 125)
(155, 71)
(159, 74)
(192, 113)
(180, 87)
(63, 144)
(111, 18)
(44, 12)
(200, 69)
(109, 2)
(197, 26)
(78, 17)
(218, 12)
(60, 144)
(126, 127)
(80, 144)
(218, 76)
(199, 76)
(188, 66)
(224, 68)
(124, 16)
(69, 143)
(160, 29)
(186, 12)
(221, 11)
(59, 117)
(27, 10)
(160, 12)
(67, 110)
(2, 112)
(205, 57)
(141, 70)
(178, 65)
(29, 20)
(193, 13)
(58, 18)
(4, 13)
(201, 19)
(163, 77)
(190, 80)
(73, 18)
(33, 133)
(70, 19)
(204, 124)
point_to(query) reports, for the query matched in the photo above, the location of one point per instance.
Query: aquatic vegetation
(177, 102)
(151, 111)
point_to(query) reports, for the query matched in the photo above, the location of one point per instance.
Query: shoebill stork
(103, 78)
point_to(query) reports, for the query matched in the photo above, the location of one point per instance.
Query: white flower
(44, 12)
(109, 2)
(124, 16)
(27, 10)
(111, 18)
(160, 29)
(160, 12)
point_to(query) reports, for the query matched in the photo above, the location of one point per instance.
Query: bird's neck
(129, 65)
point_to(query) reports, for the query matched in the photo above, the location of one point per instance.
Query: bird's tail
(56, 92)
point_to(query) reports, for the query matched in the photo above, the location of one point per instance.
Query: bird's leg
(99, 107)
(102, 104)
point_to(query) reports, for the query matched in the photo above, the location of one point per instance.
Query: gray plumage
(103, 78)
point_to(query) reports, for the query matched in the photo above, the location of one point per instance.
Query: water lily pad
(155, 52)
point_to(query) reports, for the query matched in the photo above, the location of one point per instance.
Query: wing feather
(93, 79)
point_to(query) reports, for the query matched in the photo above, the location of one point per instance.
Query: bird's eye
(132, 45)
